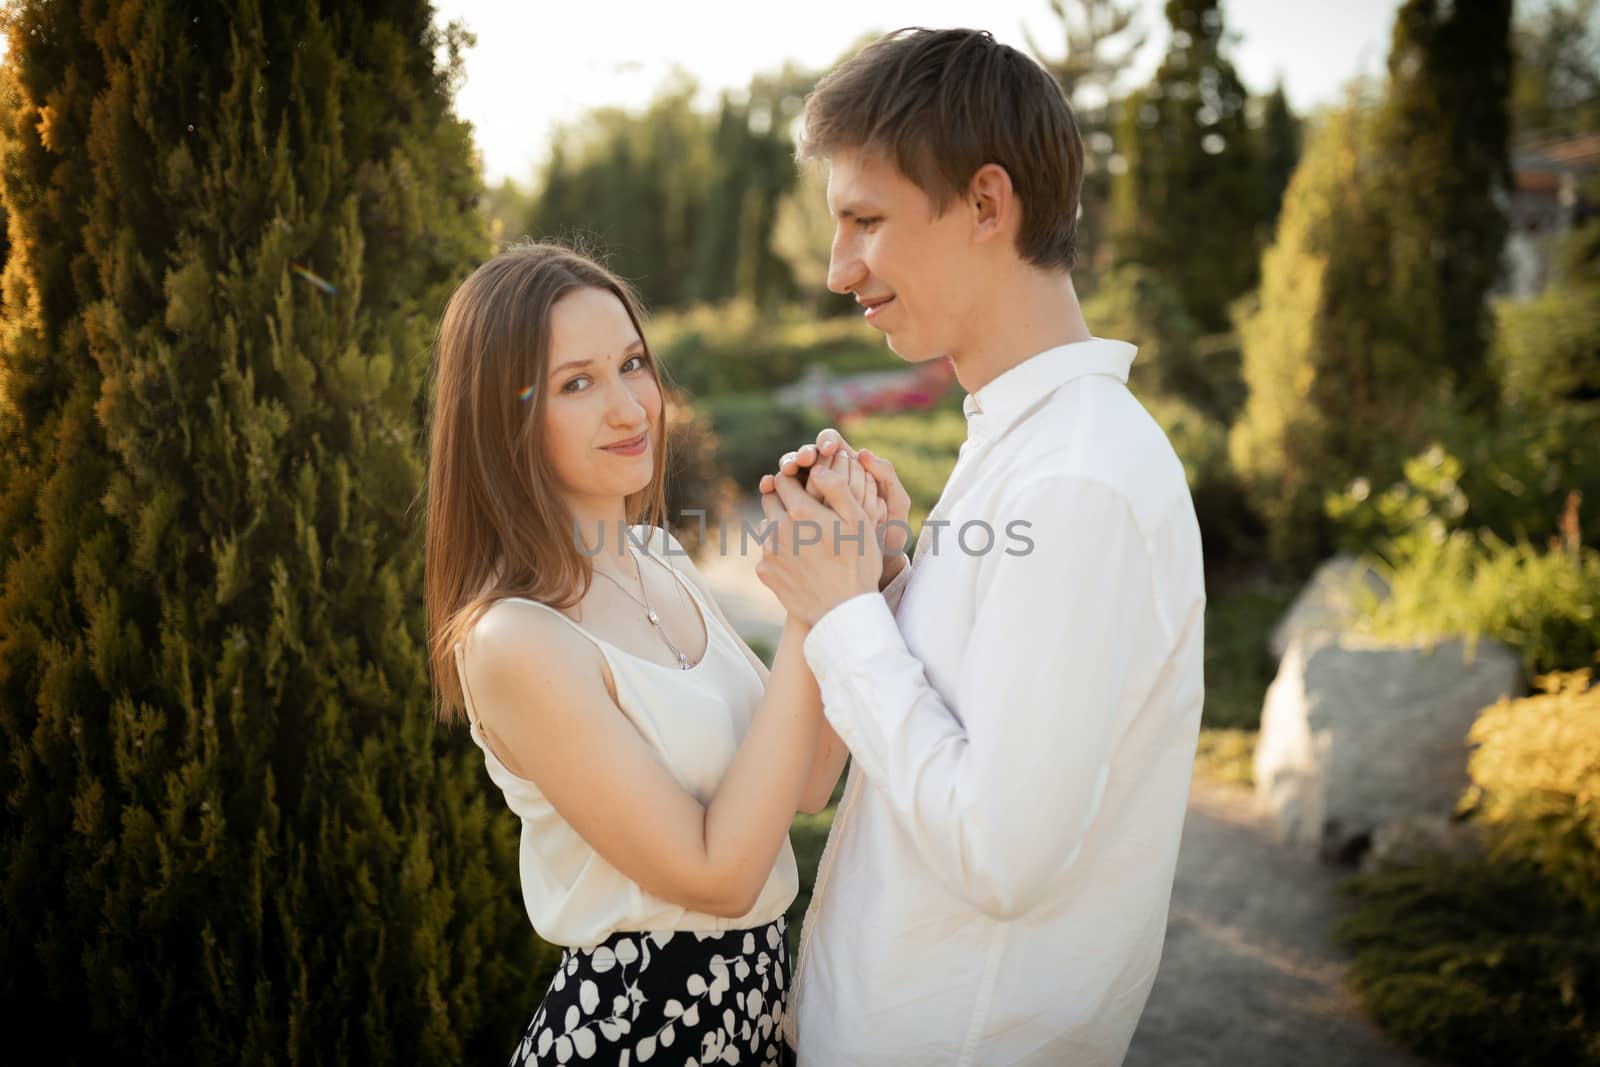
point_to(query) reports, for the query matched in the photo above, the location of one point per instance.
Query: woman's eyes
(573, 385)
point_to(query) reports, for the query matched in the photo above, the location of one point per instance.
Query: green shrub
(1498, 961)
(713, 350)
(696, 476)
(1478, 964)
(1547, 349)
(753, 431)
(1541, 603)
(1512, 477)
(1536, 771)
(1229, 526)
(1448, 580)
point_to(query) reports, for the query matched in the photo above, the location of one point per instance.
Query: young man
(1022, 703)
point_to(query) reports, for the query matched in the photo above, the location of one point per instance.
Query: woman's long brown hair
(491, 493)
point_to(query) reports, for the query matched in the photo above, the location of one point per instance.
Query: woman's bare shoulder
(533, 676)
(519, 638)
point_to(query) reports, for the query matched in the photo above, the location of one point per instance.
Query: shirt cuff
(852, 635)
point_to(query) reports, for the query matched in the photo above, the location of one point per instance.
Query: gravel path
(1249, 977)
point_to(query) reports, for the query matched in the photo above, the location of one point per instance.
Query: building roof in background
(1580, 155)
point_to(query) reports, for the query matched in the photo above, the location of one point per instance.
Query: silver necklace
(649, 612)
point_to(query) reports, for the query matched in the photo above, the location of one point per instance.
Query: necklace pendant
(683, 661)
(655, 620)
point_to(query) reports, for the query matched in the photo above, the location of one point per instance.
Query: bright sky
(537, 63)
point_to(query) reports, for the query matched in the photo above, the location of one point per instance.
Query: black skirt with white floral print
(667, 997)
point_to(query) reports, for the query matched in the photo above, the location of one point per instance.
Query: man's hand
(896, 528)
(823, 553)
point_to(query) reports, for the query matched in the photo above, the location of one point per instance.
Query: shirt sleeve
(897, 588)
(999, 781)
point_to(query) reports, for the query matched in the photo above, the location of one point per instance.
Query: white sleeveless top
(695, 720)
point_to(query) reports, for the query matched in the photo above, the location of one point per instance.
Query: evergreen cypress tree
(1372, 310)
(1101, 37)
(1335, 391)
(232, 830)
(1186, 204)
(1443, 133)
(1279, 152)
(682, 204)
(635, 184)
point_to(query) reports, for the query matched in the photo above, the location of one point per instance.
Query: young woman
(655, 764)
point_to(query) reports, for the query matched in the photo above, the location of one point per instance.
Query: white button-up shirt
(1023, 728)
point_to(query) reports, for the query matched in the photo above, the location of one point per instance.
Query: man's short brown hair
(940, 104)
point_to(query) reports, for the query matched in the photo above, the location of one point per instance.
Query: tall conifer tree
(232, 830)
(1334, 391)
(1187, 203)
(1442, 134)
(1099, 39)
(1279, 139)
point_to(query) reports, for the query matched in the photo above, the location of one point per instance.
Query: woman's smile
(633, 446)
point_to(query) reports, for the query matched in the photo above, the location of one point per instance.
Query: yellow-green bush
(1537, 773)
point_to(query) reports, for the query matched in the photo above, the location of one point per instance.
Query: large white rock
(1327, 604)
(1354, 735)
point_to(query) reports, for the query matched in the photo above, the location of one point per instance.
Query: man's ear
(993, 200)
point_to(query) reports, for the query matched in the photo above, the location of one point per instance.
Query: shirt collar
(995, 408)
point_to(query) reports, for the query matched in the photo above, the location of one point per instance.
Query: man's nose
(845, 269)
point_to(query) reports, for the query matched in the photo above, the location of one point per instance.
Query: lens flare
(316, 280)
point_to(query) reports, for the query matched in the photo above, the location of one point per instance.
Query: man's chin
(913, 353)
